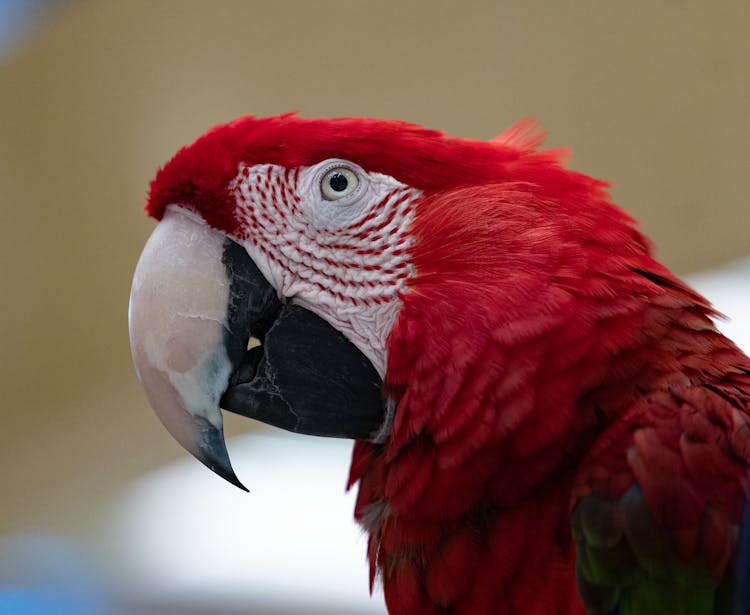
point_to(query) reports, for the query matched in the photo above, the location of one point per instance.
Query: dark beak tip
(212, 452)
(228, 475)
(223, 470)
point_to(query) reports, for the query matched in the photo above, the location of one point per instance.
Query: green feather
(625, 564)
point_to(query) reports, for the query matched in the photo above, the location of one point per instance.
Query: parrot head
(312, 273)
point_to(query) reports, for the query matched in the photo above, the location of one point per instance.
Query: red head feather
(199, 174)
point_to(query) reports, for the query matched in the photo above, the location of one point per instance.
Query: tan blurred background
(653, 96)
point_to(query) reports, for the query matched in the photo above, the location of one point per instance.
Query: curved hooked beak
(184, 340)
(197, 299)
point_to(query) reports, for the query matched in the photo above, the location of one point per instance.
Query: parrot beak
(192, 306)
(197, 300)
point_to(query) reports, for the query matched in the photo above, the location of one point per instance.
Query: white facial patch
(340, 249)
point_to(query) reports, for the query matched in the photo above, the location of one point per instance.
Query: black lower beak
(308, 378)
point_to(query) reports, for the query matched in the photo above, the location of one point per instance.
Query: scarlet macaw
(546, 418)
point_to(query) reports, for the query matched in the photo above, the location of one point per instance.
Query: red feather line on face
(199, 174)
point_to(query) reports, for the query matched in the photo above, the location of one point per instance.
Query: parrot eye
(338, 183)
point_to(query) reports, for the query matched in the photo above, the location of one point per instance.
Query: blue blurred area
(17, 18)
(42, 602)
(46, 575)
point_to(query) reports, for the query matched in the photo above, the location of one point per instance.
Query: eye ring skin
(329, 192)
(348, 169)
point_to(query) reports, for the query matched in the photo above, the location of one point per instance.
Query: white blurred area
(728, 288)
(182, 536)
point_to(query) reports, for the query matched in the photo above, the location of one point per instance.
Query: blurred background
(98, 505)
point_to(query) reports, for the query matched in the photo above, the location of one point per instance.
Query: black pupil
(338, 182)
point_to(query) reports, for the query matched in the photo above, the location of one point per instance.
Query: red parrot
(546, 418)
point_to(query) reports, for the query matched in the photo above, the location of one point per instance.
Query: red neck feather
(528, 298)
